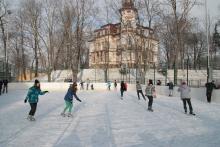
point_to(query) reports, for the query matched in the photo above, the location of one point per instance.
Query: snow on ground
(103, 120)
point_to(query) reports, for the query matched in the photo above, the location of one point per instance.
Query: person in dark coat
(209, 88)
(115, 85)
(122, 89)
(171, 87)
(5, 86)
(1, 83)
(69, 99)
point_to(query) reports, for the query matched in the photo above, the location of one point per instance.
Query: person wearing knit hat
(33, 98)
(69, 99)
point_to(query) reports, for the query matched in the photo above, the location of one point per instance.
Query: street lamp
(207, 39)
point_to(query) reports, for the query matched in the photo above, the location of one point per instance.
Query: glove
(46, 91)
(25, 101)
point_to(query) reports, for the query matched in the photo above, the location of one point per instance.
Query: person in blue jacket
(33, 98)
(69, 99)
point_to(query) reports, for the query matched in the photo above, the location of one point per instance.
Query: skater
(87, 84)
(159, 83)
(115, 85)
(92, 87)
(171, 86)
(32, 98)
(186, 98)
(109, 85)
(69, 99)
(1, 83)
(81, 85)
(5, 86)
(122, 89)
(139, 90)
(150, 91)
(209, 88)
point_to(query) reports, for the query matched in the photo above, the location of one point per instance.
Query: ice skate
(32, 118)
(63, 114)
(191, 113)
(150, 109)
(29, 117)
(70, 115)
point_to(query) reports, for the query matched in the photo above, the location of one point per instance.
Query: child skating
(150, 90)
(33, 98)
(69, 99)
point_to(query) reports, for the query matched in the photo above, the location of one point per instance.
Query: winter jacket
(184, 92)
(150, 89)
(171, 86)
(5, 83)
(1, 83)
(138, 86)
(33, 94)
(123, 87)
(209, 87)
(69, 95)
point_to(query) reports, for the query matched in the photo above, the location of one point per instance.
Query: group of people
(210, 86)
(3, 86)
(87, 85)
(34, 92)
(151, 93)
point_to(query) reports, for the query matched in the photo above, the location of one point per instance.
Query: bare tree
(180, 12)
(33, 13)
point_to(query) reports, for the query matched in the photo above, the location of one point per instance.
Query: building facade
(124, 44)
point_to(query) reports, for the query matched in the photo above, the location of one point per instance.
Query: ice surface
(103, 120)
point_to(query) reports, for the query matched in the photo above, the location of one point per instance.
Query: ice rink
(103, 120)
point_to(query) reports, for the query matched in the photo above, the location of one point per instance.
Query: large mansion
(124, 44)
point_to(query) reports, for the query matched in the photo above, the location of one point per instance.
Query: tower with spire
(129, 14)
(123, 43)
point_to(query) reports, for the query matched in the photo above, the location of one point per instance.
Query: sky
(198, 11)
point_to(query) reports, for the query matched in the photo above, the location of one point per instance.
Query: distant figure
(139, 90)
(123, 89)
(150, 90)
(109, 85)
(92, 87)
(186, 98)
(115, 85)
(87, 84)
(171, 87)
(158, 82)
(209, 88)
(5, 86)
(81, 85)
(33, 98)
(1, 83)
(69, 99)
